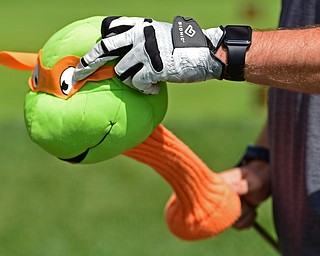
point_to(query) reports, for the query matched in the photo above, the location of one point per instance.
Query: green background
(48, 207)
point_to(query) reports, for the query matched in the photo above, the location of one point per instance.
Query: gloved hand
(152, 51)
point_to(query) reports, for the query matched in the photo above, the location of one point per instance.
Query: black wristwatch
(254, 153)
(237, 41)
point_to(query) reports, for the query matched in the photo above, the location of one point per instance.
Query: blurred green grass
(48, 207)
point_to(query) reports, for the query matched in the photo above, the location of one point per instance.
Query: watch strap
(236, 63)
(254, 152)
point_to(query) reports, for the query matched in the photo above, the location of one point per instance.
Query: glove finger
(90, 62)
(145, 83)
(136, 75)
(106, 50)
(127, 75)
(134, 81)
(82, 71)
(114, 25)
(108, 30)
(146, 53)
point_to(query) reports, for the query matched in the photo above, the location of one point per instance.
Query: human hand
(252, 183)
(152, 51)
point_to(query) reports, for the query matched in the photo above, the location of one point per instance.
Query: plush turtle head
(101, 120)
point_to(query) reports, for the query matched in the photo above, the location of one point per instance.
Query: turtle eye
(35, 77)
(66, 80)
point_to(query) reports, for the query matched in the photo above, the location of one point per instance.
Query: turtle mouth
(79, 158)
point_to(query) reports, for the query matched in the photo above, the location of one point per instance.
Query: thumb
(234, 178)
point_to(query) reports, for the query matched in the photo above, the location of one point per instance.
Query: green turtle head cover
(103, 119)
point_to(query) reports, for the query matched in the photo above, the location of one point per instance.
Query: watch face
(240, 35)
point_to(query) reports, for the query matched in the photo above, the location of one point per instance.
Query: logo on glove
(189, 31)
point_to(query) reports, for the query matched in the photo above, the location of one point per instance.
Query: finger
(82, 70)
(90, 62)
(258, 186)
(241, 188)
(117, 45)
(144, 83)
(130, 64)
(248, 215)
(106, 50)
(114, 25)
(151, 49)
(136, 77)
(126, 76)
(128, 68)
(234, 179)
(105, 26)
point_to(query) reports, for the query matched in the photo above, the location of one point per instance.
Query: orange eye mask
(58, 80)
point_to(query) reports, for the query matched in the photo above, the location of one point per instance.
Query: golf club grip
(266, 236)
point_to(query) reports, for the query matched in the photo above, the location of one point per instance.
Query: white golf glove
(152, 51)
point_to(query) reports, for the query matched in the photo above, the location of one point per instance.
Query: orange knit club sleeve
(203, 205)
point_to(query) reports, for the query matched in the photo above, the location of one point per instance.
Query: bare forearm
(287, 59)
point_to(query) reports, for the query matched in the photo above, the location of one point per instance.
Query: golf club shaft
(266, 236)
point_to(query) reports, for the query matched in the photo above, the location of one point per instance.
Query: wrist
(222, 54)
(237, 41)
